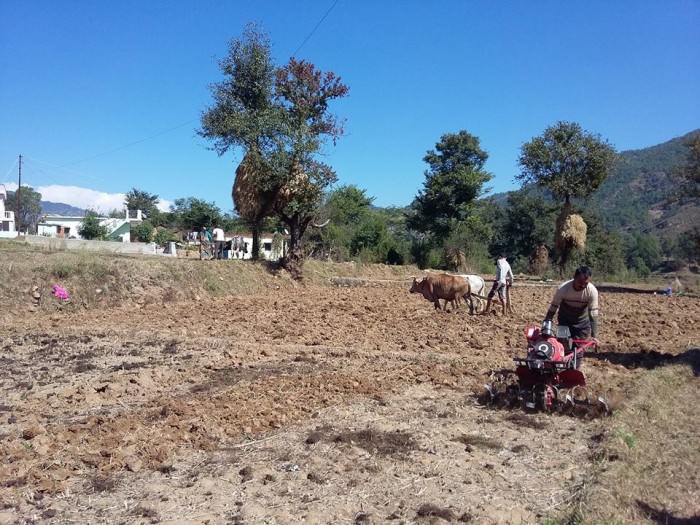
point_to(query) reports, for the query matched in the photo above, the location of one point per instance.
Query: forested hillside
(643, 191)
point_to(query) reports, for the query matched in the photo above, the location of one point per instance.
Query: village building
(8, 228)
(118, 229)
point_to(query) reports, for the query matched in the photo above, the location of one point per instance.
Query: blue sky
(104, 96)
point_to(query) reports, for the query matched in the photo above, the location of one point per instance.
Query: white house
(7, 218)
(67, 227)
(242, 246)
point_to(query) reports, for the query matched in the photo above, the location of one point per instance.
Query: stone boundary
(58, 244)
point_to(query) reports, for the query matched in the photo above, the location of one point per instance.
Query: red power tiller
(549, 376)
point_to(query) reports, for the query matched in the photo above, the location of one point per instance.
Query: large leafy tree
(529, 222)
(246, 115)
(144, 201)
(280, 118)
(348, 204)
(567, 160)
(193, 213)
(305, 93)
(30, 213)
(454, 180)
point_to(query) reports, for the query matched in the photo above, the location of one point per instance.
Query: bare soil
(342, 400)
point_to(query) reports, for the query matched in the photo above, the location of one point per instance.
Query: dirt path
(311, 405)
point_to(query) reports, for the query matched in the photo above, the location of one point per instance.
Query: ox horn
(320, 225)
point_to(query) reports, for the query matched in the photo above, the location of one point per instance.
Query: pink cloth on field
(60, 292)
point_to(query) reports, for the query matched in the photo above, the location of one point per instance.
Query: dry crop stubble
(203, 409)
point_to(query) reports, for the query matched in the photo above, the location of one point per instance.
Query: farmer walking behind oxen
(504, 278)
(577, 302)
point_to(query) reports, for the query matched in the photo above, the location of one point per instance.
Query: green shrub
(144, 231)
(163, 236)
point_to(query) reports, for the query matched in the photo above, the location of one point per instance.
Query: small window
(267, 246)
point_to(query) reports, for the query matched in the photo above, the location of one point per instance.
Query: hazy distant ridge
(60, 208)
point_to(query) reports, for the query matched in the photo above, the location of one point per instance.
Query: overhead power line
(10, 170)
(179, 125)
(51, 171)
(315, 28)
(130, 144)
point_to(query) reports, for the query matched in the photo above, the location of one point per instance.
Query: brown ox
(443, 286)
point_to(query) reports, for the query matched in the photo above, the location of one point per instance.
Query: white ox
(478, 289)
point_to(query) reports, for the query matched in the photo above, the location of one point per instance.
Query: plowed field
(321, 404)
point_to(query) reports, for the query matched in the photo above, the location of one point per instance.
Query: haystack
(539, 260)
(250, 202)
(456, 259)
(298, 185)
(569, 234)
(676, 285)
(570, 231)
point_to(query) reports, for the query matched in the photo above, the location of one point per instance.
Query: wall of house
(60, 227)
(54, 226)
(7, 218)
(266, 251)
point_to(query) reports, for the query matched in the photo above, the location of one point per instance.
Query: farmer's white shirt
(503, 271)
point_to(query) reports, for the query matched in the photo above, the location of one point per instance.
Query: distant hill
(640, 192)
(60, 208)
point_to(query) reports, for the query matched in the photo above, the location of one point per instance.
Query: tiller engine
(549, 376)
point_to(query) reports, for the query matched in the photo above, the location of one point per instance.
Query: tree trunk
(293, 262)
(256, 240)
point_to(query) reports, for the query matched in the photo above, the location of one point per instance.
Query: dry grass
(96, 280)
(637, 466)
(99, 280)
(652, 439)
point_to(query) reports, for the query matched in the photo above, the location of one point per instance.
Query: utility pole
(19, 199)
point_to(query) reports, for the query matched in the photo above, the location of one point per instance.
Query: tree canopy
(454, 180)
(196, 213)
(280, 117)
(142, 200)
(30, 213)
(567, 160)
(245, 113)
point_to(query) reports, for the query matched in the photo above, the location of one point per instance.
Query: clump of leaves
(102, 483)
(429, 510)
(479, 441)
(527, 421)
(385, 443)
